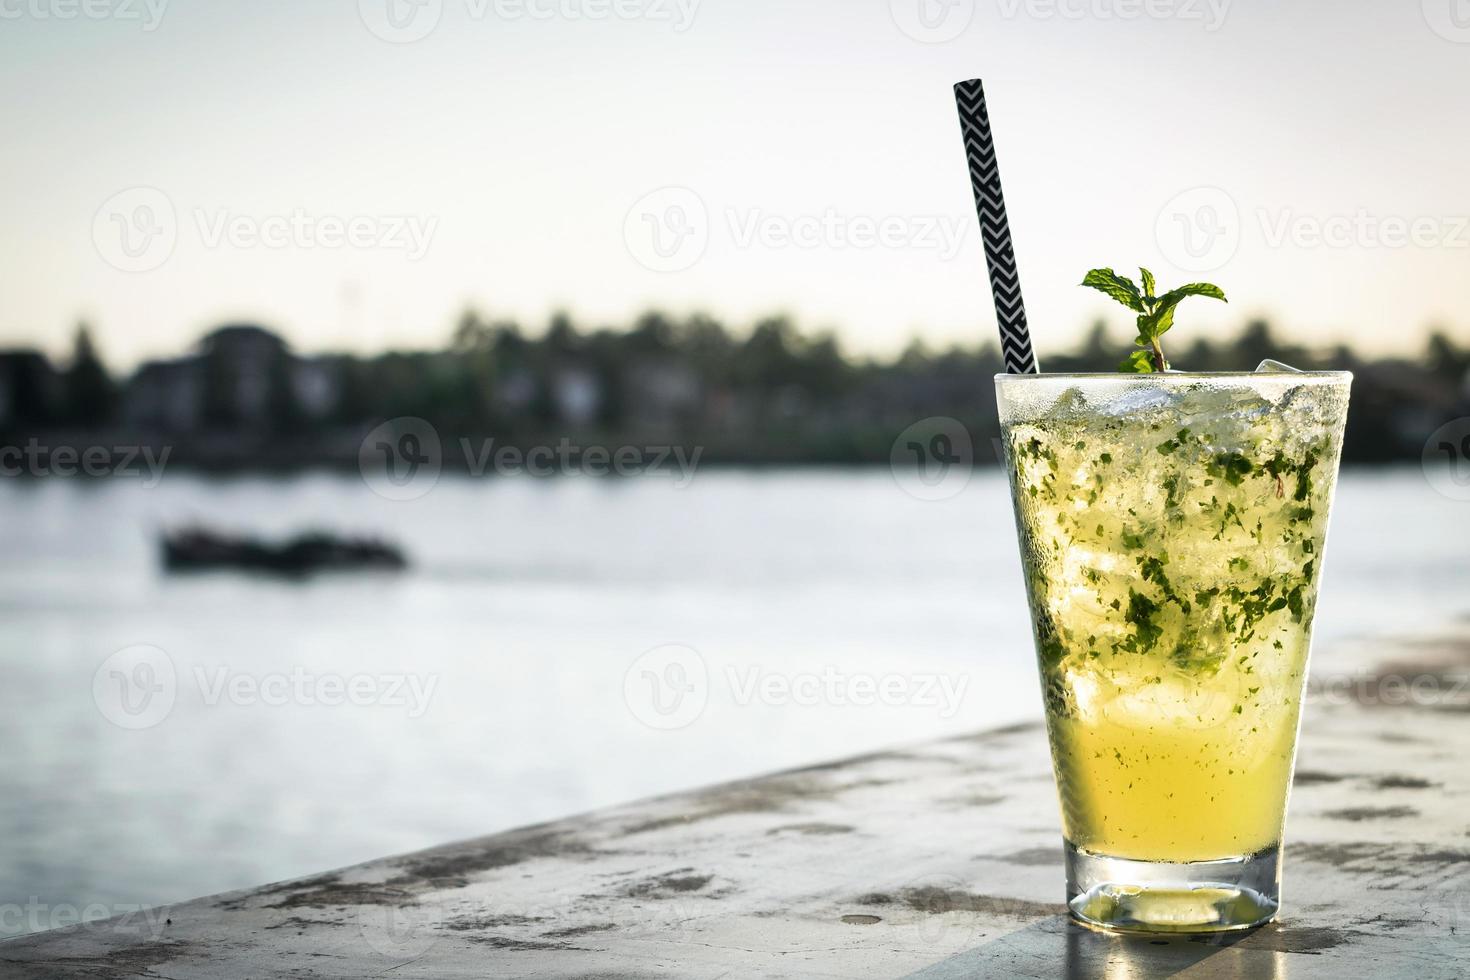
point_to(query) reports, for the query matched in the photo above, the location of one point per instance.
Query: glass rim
(1156, 378)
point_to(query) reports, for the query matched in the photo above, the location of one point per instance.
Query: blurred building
(240, 376)
(29, 389)
(246, 374)
(577, 394)
(166, 395)
(664, 393)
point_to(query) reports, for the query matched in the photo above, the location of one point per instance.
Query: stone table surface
(936, 861)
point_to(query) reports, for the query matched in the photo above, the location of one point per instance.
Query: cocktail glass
(1171, 530)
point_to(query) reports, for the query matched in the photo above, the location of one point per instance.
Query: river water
(556, 645)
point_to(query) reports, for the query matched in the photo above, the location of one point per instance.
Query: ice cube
(1140, 399)
(1294, 395)
(1070, 403)
(1228, 419)
(1269, 366)
(1176, 700)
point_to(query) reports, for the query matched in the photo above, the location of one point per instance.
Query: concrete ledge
(941, 861)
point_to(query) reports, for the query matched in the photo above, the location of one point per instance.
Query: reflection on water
(317, 723)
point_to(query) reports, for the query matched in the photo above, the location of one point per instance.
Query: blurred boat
(198, 549)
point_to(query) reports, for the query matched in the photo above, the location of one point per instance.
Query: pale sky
(506, 159)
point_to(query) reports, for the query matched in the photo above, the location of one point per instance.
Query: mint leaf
(1173, 296)
(1151, 326)
(1163, 316)
(1164, 319)
(1118, 287)
(1155, 313)
(1139, 362)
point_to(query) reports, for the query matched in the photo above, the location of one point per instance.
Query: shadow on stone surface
(1060, 948)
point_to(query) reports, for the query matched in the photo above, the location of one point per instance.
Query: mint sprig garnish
(1155, 313)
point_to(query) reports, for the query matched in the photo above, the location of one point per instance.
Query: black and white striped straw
(995, 231)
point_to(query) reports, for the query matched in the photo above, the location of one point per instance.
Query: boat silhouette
(200, 549)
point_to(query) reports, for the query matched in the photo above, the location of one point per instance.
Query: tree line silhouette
(770, 394)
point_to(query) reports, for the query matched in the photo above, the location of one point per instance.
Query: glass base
(1122, 895)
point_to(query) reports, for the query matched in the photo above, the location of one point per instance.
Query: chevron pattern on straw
(995, 231)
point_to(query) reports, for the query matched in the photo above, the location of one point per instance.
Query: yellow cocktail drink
(1172, 529)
